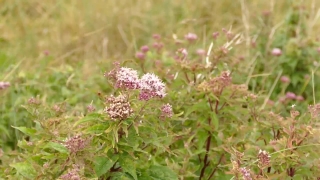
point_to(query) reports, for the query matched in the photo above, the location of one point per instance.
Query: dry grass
(90, 31)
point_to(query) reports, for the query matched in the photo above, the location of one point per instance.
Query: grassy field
(58, 50)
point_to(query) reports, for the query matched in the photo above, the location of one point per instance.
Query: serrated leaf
(162, 173)
(128, 165)
(27, 131)
(103, 164)
(25, 169)
(56, 146)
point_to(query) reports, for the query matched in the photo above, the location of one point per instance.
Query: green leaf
(88, 118)
(214, 120)
(56, 146)
(103, 164)
(27, 131)
(97, 129)
(25, 169)
(128, 165)
(162, 173)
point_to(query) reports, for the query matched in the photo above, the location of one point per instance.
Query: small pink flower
(300, 98)
(215, 35)
(46, 52)
(282, 99)
(276, 52)
(166, 111)
(191, 37)
(158, 45)
(156, 36)
(201, 52)
(140, 55)
(318, 49)
(285, 79)
(144, 49)
(290, 95)
(127, 78)
(151, 86)
(270, 102)
(4, 85)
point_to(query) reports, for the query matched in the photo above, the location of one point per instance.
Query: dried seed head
(33, 101)
(119, 108)
(264, 158)
(294, 113)
(235, 166)
(91, 108)
(75, 143)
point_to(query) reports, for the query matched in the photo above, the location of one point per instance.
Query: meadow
(159, 90)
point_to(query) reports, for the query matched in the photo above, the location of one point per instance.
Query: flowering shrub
(179, 128)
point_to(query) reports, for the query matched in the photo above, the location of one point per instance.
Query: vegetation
(159, 89)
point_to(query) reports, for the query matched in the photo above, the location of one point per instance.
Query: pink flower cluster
(150, 85)
(75, 143)
(166, 111)
(4, 85)
(127, 78)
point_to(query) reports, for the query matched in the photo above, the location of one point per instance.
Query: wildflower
(285, 79)
(72, 174)
(290, 95)
(191, 37)
(300, 98)
(318, 49)
(158, 45)
(119, 107)
(166, 111)
(127, 78)
(270, 102)
(215, 35)
(151, 86)
(276, 52)
(91, 108)
(201, 52)
(144, 49)
(314, 110)
(245, 173)
(140, 55)
(46, 52)
(264, 158)
(4, 85)
(75, 143)
(156, 36)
